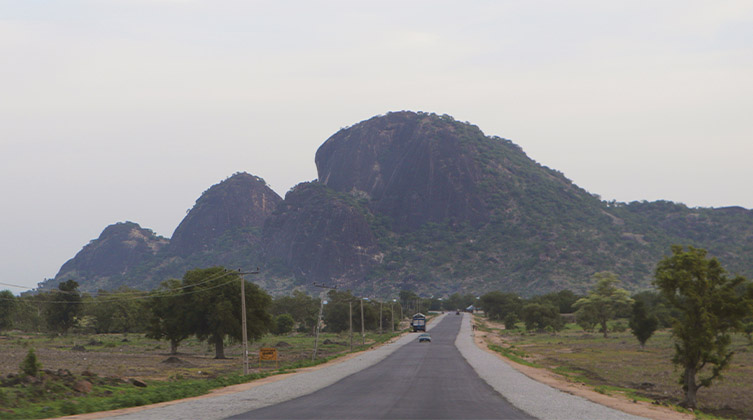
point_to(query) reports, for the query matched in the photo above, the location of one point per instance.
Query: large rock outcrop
(119, 249)
(232, 212)
(322, 235)
(418, 201)
(415, 168)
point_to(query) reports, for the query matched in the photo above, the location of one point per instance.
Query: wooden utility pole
(243, 318)
(319, 319)
(350, 318)
(318, 324)
(381, 330)
(392, 315)
(363, 334)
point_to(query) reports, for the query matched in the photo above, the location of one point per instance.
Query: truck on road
(418, 323)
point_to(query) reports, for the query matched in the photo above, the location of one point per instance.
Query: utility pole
(392, 314)
(381, 330)
(319, 319)
(363, 334)
(243, 318)
(350, 318)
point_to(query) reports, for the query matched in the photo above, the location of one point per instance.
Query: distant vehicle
(419, 322)
(457, 312)
(424, 337)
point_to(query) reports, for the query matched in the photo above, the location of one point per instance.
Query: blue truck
(419, 322)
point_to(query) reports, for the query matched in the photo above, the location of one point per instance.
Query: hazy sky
(115, 110)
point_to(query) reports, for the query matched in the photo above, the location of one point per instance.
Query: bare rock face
(415, 201)
(120, 248)
(414, 167)
(322, 235)
(238, 205)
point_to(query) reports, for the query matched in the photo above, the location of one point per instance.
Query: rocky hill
(107, 260)
(423, 202)
(229, 214)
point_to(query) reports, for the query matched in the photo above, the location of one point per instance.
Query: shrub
(30, 365)
(619, 327)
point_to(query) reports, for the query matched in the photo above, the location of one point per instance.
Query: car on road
(424, 337)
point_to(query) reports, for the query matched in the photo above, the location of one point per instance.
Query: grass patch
(516, 356)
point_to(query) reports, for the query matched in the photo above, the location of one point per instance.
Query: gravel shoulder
(535, 398)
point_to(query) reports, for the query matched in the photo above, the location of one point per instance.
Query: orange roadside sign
(267, 353)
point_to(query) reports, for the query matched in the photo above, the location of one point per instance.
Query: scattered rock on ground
(138, 383)
(172, 360)
(82, 386)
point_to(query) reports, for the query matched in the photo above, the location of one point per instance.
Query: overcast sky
(127, 110)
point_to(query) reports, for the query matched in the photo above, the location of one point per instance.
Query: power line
(14, 285)
(148, 295)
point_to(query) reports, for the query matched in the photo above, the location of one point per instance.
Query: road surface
(417, 381)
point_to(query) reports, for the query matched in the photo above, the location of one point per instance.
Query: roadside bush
(510, 320)
(30, 365)
(619, 327)
(538, 317)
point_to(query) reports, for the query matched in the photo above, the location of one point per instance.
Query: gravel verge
(537, 399)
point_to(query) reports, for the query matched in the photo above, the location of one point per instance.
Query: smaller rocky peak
(118, 248)
(322, 235)
(240, 202)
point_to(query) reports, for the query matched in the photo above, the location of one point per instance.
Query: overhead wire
(117, 297)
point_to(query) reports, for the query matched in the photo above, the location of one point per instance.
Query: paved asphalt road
(417, 381)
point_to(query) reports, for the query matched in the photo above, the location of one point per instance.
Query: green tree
(587, 318)
(119, 311)
(540, 317)
(498, 305)
(167, 309)
(642, 323)
(604, 300)
(563, 300)
(30, 365)
(29, 314)
(63, 306)
(8, 307)
(656, 305)
(283, 324)
(409, 301)
(458, 301)
(709, 305)
(303, 308)
(511, 319)
(336, 312)
(214, 307)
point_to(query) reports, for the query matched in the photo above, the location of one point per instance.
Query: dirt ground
(134, 357)
(639, 408)
(123, 361)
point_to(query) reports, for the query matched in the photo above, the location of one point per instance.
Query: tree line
(205, 303)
